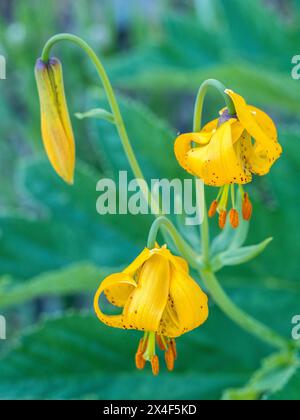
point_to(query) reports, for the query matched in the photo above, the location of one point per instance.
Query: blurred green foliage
(55, 248)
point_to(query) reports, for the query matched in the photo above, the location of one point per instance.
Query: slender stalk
(237, 315)
(109, 92)
(197, 124)
(210, 83)
(183, 247)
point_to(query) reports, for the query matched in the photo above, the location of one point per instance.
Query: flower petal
(265, 122)
(183, 144)
(260, 128)
(138, 262)
(144, 309)
(217, 163)
(256, 163)
(187, 307)
(118, 286)
(181, 262)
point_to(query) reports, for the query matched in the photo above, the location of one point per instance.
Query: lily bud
(56, 126)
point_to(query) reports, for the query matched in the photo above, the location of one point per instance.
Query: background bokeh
(55, 248)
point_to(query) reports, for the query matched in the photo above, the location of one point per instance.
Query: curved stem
(200, 101)
(109, 92)
(237, 315)
(183, 247)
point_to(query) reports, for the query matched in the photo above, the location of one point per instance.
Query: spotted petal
(144, 309)
(118, 287)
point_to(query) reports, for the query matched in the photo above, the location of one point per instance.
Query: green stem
(183, 247)
(237, 315)
(210, 83)
(109, 92)
(197, 124)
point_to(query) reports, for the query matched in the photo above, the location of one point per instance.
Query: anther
(155, 365)
(139, 361)
(160, 343)
(173, 347)
(169, 358)
(213, 208)
(139, 356)
(234, 218)
(247, 207)
(222, 219)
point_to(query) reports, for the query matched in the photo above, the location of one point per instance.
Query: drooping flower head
(56, 126)
(228, 151)
(159, 298)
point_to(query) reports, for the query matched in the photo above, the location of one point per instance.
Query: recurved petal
(260, 127)
(187, 306)
(145, 307)
(183, 144)
(119, 291)
(118, 288)
(265, 122)
(257, 163)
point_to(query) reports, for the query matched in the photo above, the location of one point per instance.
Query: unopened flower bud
(56, 126)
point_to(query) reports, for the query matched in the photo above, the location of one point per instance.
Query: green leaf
(63, 226)
(75, 356)
(237, 256)
(276, 372)
(290, 392)
(148, 135)
(82, 277)
(99, 113)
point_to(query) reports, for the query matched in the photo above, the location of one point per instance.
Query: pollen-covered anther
(139, 356)
(169, 358)
(246, 207)
(234, 218)
(222, 219)
(155, 365)
(213, 209)
(160, 343)
(173, 347)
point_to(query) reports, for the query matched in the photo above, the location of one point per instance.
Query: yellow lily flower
(56, 126)
(228, 151)
(158, 297)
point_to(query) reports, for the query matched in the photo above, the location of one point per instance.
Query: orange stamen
(173, 347)
(160, 343)
(213, 208)
(139, 361)
(247, 207)
(222, 219)
(155, 365)
(169, 358)
(234, 218)
(139, 358)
